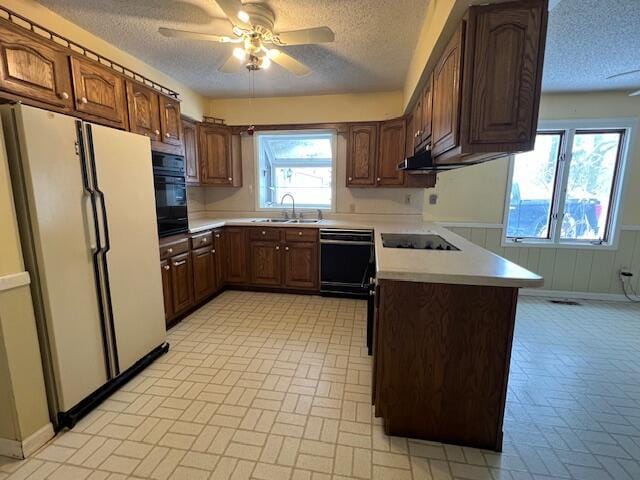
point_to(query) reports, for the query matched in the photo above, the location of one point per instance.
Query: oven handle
(345, 242)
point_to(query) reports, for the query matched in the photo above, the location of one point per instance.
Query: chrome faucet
(293, 209)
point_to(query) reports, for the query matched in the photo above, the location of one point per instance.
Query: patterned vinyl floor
(270, 386)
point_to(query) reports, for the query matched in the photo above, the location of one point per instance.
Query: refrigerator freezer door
(56, 230)
(124, 175)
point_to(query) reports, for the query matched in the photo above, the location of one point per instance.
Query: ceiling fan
(622, 74)
(258, 44)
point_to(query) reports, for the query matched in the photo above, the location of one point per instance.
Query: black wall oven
(171, 194)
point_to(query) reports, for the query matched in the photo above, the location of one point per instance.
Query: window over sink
(567, 191)
(299, 163)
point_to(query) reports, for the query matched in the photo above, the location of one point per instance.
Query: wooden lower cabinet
(167, 289)
(204, 272)
(182, 282)
(266, 263)
(301, 265)
(219, 257)
(235, 246)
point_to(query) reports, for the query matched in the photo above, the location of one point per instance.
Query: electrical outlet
(433, 199)
(407, 198)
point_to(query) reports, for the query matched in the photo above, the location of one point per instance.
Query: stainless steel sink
(285, 220)
(297, 220)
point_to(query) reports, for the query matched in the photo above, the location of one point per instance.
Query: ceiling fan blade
(288, 62)
(231, 8)
(307, 36)
(623, 74)
(232, 65)
(635, 94)
(173, 33)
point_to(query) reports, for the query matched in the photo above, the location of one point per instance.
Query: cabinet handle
(64, 96)
(263, 232)
(213, 251)
(181, 262)
(84, 100)
(217, 235)
(167, 134)
(166, 267)
(378, 179)
(204, 240)
(170, 250)
(350, 179)
(157, 132)
(286, 248)
(277, 247)
(230, 179)
(299, 234)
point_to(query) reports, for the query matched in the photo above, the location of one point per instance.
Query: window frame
(299, 208)
(627, 128)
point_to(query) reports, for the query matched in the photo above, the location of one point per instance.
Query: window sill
(561, 245)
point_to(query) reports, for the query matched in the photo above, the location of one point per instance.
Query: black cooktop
(417, 242)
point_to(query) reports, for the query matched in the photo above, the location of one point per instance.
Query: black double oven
(171, 194)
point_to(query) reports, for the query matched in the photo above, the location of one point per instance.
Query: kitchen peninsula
(443, 328)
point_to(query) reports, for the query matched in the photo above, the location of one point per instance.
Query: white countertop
(471, 265)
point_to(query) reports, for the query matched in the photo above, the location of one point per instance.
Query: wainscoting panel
(567, 269)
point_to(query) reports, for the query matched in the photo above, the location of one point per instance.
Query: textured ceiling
(374, 42)
(588, 40)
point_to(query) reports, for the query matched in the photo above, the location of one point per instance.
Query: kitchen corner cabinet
(191, 160)
(219, 156)
(99, 92)
(485, 87)
(30, 69)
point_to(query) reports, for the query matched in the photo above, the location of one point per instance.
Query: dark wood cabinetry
(170, 121)
(167, 289)
(144, 111)
(182, 282)
(236, 255)
(266, 262)
(191, 160)
(33, 70)
(446, 96)
(301, 265)
(362, 145)
(204, 272)
(391, 153)
(219, 156)
(426, 111)
(219, 257)
(99, 92)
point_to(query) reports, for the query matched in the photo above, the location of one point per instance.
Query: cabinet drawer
(174, 247)
(301, 234)
(201, 240)
(271, 234)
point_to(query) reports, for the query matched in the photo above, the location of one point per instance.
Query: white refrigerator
(86, 214)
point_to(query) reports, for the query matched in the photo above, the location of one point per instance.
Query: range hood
(422, 162)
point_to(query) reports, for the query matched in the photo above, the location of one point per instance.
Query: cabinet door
(182, 282)
(505, 49)
(144, 110)
(301, 265)
(266, 263)
(215, 155)
(362, 145)
(190, 136)
(427, 107)
(417, 123)
(167, 289)
(204, 272)
(219, 257)
(99, 91)
(235, 251)
(170, 121)
(391, 153)
(446, 96)
(34, 70)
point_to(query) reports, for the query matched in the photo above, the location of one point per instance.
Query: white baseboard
(610, 297)
(31, 444)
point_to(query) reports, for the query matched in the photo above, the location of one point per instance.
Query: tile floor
(270, 386)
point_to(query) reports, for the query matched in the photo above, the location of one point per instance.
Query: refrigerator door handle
(109, 325)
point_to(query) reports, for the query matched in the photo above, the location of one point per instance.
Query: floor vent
(565, 302)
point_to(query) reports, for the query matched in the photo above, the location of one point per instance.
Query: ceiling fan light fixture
(239, 53)
(243, 16)
(272, 53)
(237, 31)
(265, 62)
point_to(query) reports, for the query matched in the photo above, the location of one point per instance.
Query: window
(567, 190)
(296, 163)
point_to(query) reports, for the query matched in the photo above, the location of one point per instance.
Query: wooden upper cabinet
(426, 110)
(362, 145)
(391, 152)
(505, 55)
(144, 110)
(219, 155)
(446, 95)
(32, 69)
(170, 121)
(192, 165)
(99, 92)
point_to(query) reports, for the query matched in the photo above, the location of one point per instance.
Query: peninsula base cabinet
(448, 382)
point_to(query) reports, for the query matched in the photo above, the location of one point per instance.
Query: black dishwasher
(346, 262)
